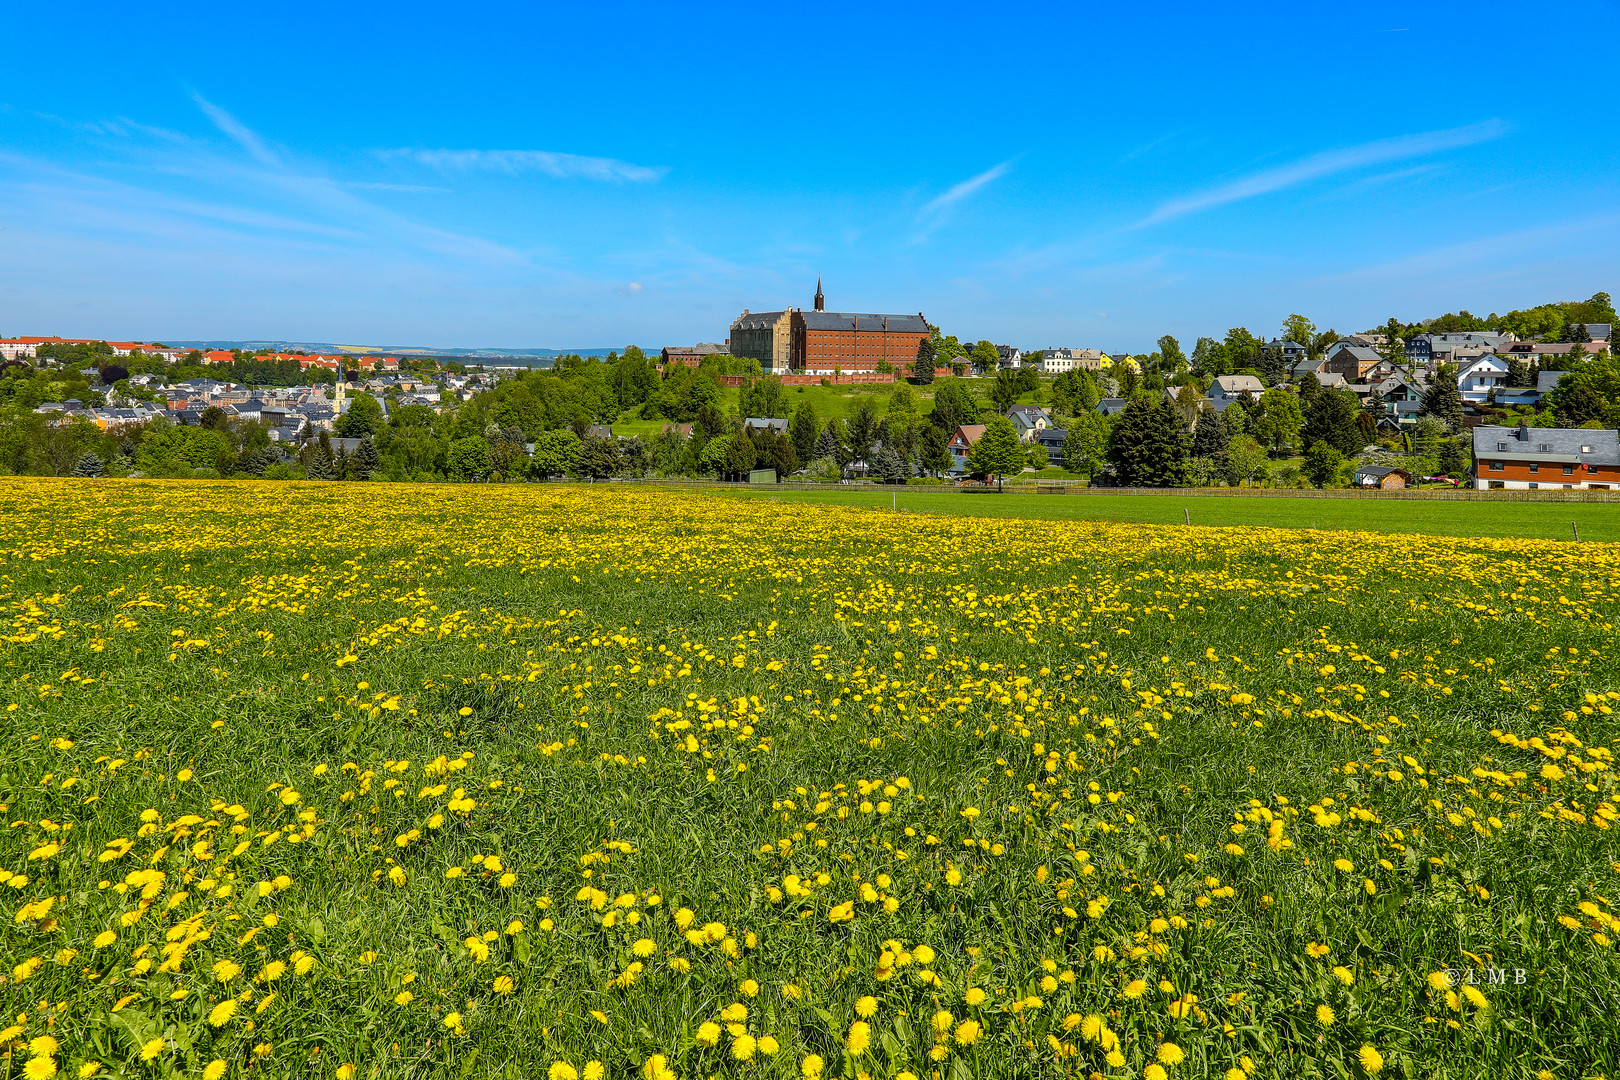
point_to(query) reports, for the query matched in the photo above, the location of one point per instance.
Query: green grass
(1061, 764)
(1539, 520)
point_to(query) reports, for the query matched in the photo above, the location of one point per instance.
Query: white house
(1226, 389)
(1477, 376)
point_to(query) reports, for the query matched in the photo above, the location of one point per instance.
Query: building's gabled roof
(1381, 470)
(970, 432)
(854, 321)
(1595, 446)
(757, 320)
(766, 423)
(1548, 380)
(1236, 384)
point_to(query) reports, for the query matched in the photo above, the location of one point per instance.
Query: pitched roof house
(1527, 457)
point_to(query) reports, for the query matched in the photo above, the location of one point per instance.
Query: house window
(1546, 448)
(1501, 446)
(1498, 466)
(1497, 484)
(1534, 486)
(1586, 449)
(1569, 470)
(1535, 466)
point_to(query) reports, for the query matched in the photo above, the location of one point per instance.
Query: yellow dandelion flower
(221, 1014)
(1370, 1059)
(214, 1069)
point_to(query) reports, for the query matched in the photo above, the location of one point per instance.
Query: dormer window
(1501, 446)
(1586, 449)
(1546, 448)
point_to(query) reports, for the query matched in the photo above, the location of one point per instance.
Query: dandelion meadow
(518, 781)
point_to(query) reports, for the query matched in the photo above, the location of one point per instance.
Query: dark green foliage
(1453, 458)
(998, 451)
(90, 466)
(1210, 435)
(1322, 463)
(1442, 399)
(365, 459)
(1149, 446)
(933, 452)
(468, 460)
(922, 369)
(599, 457)
(1330, 417)
(802, 431)
(363, 417)
(953, 406)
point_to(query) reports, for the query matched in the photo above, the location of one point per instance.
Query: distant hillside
(511, 355)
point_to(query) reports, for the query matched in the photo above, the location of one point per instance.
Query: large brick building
(822, 342)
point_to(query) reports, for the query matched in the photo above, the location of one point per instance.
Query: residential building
(1292, 352)
(961, 444)
(761, 423)
(1055, 361)
(1354, 362)
(1112, 406)
(1477, 377)
(1526, 457)
(1009, 357)
(1027, 420)
(1051, 439)
(691, 355)
(1228, 388)
(1429, 349)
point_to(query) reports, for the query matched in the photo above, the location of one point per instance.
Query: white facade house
(1477, 376)
(1228, 388)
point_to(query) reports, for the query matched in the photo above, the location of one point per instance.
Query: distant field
(1545, 521)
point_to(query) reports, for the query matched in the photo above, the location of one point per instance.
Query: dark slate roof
(848, 320)
(1548, 380)
(757, 320)
(1561, 443)
(1051, 435)
(1380, 470)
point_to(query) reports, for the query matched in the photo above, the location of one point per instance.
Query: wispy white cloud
(246, 137)
(936, 211)
(551, 163)
(1327, 163)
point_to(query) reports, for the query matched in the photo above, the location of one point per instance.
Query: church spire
(821, 301)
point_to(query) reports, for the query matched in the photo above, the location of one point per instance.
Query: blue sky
(591, 175)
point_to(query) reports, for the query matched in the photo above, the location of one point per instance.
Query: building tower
(821, 301)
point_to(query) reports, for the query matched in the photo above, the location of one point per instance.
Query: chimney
(1524, 432)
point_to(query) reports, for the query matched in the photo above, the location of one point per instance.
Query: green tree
(1004, 390)
(599, 457)
(1277, 420)
(922, 369)
(1172, 361)
(363, 417)
(1149, 445)
(803, 431)
(1085, 448)
(1245, 457)
(556, 453)
(1322, 463)
(468, 460)
(366, 461)
(1300, 330)
(1330, 418)
(89, 466)
(1442, 400)
(1210, 435)
(740, 455)
(934, 452)
(1453, 459)
(953, 406)
(213, 418)
(997, 453)
(985, 358)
